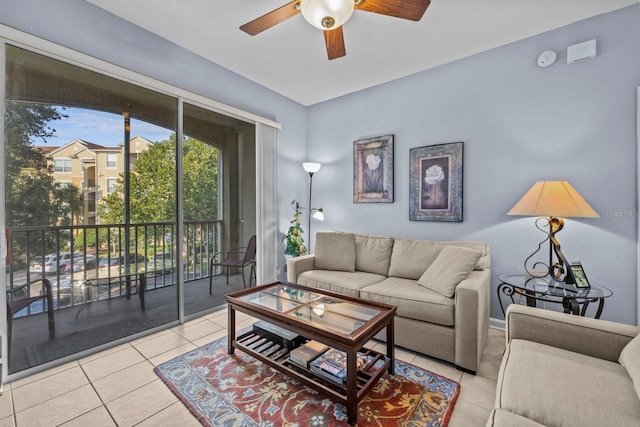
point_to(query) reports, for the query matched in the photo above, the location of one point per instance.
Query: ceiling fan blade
(405, 9)
(272, 18)
(334, 40)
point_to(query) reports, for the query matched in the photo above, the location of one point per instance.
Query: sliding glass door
(117, 199)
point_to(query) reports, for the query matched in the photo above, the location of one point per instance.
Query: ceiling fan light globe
(321, 13)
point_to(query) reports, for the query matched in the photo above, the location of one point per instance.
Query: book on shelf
(304, 354)
(333, 365)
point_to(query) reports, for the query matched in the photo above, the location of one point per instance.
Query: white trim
(637, 207)
(4, 360)
(497, 323)
(52, 50)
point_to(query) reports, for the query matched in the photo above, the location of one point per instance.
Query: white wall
(519, 124)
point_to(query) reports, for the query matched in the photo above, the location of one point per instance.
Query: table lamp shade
(553, 199)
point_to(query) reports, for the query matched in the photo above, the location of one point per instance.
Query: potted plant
(293, 238)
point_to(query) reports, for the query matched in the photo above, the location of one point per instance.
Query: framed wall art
(373, 170)
(435, 192)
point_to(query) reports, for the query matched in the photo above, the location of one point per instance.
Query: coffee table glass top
(324, 311)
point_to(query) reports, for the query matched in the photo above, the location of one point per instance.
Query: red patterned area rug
(237, 390)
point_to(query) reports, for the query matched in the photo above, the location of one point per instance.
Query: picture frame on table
(579, 276)
(435, 192)
(373, 170)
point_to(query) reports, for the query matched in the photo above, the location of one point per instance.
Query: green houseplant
(293, 238)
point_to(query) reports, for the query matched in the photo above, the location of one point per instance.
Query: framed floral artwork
(373, 170)
(436, 183)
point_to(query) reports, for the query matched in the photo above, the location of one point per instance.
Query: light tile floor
(118, 387)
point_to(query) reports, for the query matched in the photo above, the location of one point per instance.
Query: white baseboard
(497, 323)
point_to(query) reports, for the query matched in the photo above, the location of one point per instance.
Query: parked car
(66, 292)
(164, 262)
(85, 263)
(119, 260)
(54, 263)
(114, 266)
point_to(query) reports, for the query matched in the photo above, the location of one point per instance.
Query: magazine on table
(333, 365)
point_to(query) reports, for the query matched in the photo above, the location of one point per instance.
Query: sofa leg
(468, 371)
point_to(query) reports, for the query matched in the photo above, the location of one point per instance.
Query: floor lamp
(317, 213)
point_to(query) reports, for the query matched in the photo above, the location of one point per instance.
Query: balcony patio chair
(20, 297)
(236, 257)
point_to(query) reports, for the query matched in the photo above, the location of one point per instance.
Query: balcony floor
(103, 321)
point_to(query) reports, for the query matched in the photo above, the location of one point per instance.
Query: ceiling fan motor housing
(327, 14)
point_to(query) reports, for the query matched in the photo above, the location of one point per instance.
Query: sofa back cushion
(335, 251)
(373, 254)
(483, 262)
(411, 258)
(630, 359)
(451, 267)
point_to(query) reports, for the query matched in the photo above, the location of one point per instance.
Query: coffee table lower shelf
(277, 357)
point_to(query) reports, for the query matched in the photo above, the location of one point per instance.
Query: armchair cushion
(556, 387)
(335, 251)
(452, 266)
(630, 359)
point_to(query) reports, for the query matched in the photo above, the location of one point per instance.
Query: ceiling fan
(330, 15)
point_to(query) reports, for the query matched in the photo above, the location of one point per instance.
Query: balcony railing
(70, 255)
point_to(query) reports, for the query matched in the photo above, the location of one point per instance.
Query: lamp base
(557, 268)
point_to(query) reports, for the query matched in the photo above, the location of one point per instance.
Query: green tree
(153, 185)
(70, 204)
(29, 195)
(200, 180)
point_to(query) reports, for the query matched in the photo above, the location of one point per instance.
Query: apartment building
(94, 169)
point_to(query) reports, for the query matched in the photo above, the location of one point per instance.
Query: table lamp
(552, 201)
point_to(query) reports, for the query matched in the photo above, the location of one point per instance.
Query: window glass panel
(112, 161)
(62, 165)
(214, 151)
(69, 134)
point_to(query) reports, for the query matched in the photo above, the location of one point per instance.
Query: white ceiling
(291, 59)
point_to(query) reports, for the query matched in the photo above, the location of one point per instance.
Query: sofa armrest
(299, 264)
(592, 337)
(472, 318)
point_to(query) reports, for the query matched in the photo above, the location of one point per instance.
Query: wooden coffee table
(342, 322)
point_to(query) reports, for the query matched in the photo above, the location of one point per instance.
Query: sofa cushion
(341, 282)
(411, 258)
(556, 387)
(452, 266)
(413, 301)
(484, 260)
(335, 251)
(373, 254)
(630, 359)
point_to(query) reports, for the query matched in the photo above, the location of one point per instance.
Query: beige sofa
(565, 370)
(436, 315)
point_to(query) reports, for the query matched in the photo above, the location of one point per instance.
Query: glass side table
(546, 289)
